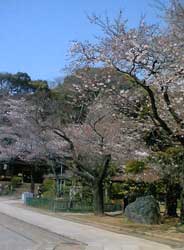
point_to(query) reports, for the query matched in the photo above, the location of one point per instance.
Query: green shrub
(49, 188)
(16, 181)
(135, 166)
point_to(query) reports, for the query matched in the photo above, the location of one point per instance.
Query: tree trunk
(125, 202)
(57, 186)
(98, 198)
(32, 181)
(171, 201)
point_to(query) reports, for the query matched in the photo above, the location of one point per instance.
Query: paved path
(12, 240)
(95, 238)
(18, 235)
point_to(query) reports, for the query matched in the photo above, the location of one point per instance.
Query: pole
(61, 174)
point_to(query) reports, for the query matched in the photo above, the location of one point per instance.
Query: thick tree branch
(154, 107)
(79, 168)
(63, 135)
(94, 127)
(170, 108)
(81, 171)
(150, 93)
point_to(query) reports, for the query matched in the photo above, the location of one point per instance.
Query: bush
(49, 188)
(135, 166)
(16, 181)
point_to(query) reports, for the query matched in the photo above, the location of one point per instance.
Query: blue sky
(35, 34)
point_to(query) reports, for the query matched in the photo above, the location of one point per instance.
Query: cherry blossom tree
(97, 136)
(22, 140)
(151, 58)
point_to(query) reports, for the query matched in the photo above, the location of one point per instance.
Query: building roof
(148, 175)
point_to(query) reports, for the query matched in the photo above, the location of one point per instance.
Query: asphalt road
(18, 235)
